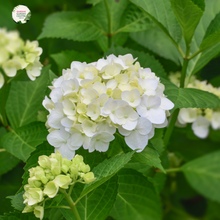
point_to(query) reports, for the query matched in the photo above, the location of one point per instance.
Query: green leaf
(18, 216)
(17, 201)
(105, 170)
(22, 141)
(134, 20)
(65, 58)
(77, 26)
(25, 99)
(155, 40)
(188, 13)
(203, 174)
(161, 13)
(211, 10)
(149, 156)
(157, 140)
(212, 35)
(97, 204)
(145, 59)
(136, 198)
(189, 98)
(93, 2)
(43, 149)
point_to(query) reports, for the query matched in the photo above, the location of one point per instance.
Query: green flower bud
(50, 176)
(34, 182)
(40, 174)
(51, 189)
(65, 165)
(63, 181)
(84, 168)
(77, 159)
(34, 195)
(74, 172)
(39, 212)
(32, 172)
(55, 166)
(26, 187)
(27, 209)
(44, 161)
(89, 177)
(57, 156)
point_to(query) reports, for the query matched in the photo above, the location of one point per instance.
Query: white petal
(144, 126)
(166, 104)
(66, 152)
(123, 131)
(55, 139)
(201, 127)
(156, 116)
(66, 122)
(130, 125)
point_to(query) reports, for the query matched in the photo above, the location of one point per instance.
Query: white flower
(149, 108)
(70, 86)
(100, 141)
(127, 117)
(93, 110)
(215, 120)
(61, 141)
(48, 104)
(10, 67)
(200, 127)
(138, 137)
(149, 86)
(187, 115)
(131, 97)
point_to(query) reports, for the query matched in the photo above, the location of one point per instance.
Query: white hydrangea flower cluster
(201, 119)
(90, 101)
(53, 172)
(15, 54)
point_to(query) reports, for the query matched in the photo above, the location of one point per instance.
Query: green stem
(173, 170)
(71, 189)
(194, 54)
(71, 203)
(170, 127)
(109, 24)
(58, 207)
(2, 150)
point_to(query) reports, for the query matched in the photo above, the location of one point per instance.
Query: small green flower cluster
(53, 172)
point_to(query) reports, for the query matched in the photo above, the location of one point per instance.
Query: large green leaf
(189, 98)
(25, 99)
(145, 59)
(65, 58)
(203, 174)
(105, 170)
(211, 10)
(71, 25)
(161, 13)
(97, 204)
(188, 13)
(136, 198)
(17, 201)
(150, 157)
(134, 20)
(212, 35)
(22, 141)
(6, 8)
(155, 40)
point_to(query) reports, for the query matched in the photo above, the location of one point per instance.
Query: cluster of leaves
(175, 177)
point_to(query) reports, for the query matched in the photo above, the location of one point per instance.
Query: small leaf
(22, 141)
(65, 58)
(136, 198)
(203, 174)
(105, 170)
(25, 99)
(188, 13)
(150, 157)
(77, 26)
(17, 201)
(212, 35)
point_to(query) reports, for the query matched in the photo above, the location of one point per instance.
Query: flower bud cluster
(53, 172)
(15, 54)
(90, 101)
(201, 119)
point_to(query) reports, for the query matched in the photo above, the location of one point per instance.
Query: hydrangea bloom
(15, 54)
(53, 172)
(201, 119)
(90, 101)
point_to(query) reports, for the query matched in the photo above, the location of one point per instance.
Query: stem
(109, 24)
(58, 207)
(194, 54)
(171, 170)
(71, 203)
(184, 69)
(70, 190)
(170, 127)
(2, 150)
